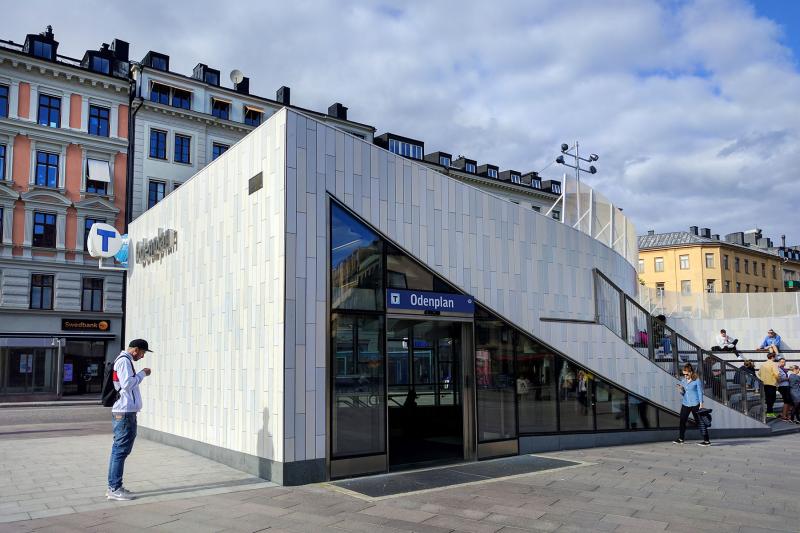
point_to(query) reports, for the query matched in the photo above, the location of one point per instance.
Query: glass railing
(720, 305)
(723, 382)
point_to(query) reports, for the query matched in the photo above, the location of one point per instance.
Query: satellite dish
(237, 76)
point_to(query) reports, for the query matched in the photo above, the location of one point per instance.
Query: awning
(253, 109)
(99, 170)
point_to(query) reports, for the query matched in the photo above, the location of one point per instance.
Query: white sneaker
(121, 494)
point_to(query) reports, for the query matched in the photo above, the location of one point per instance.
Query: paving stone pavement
(737, 485)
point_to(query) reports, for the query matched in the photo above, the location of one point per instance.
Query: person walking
(768, 374)
(783, 388)
(692, 401)
(794, 390)
(123, 414)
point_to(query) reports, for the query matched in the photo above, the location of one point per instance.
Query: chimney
(705, 232)
(693, 230)
(783, 241)
(284, 95)
(243, 87)
(651, 232)
(715, 237)
(120, 49)
(337, 110)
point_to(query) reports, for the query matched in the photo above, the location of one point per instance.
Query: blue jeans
(124, 435)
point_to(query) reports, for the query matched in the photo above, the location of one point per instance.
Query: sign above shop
(79, 324)
(429, 302)
(150, 250)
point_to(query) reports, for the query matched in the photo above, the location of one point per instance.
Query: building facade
(182, 123)
(63, 159)
(372, 313)
(697, 261)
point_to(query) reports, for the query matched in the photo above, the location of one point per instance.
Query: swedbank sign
(151, 250)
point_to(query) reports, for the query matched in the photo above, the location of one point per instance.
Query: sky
(693, 106)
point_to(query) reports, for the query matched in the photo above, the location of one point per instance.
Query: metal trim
(488, 450)
(372, 464)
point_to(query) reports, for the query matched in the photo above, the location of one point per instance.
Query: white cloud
(693, 105)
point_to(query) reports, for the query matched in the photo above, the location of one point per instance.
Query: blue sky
(692, 105)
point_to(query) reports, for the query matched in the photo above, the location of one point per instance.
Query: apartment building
(63, 159)
(697, 261)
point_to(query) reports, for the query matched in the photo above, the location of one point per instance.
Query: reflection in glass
(609, 406)
(667, 420)
(641, 415)
(356, 263)
(536, 388)
(575, 397)
(358, 386)
(494, 380)
(404, 273)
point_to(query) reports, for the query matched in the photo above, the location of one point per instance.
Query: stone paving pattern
(738, 485)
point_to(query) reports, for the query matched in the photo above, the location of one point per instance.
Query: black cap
(139, 343)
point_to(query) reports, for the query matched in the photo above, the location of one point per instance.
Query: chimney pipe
(783, 241)
(337, 110)
(283, 95)
(693, 230)
(651, 232)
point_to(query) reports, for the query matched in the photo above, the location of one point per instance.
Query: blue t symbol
(106, 235)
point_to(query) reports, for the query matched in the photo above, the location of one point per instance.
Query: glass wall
(356, 264)
(536, 388)
(641, 415)
(575, 397)
(610, 406)
(494, 380)
(402, 272)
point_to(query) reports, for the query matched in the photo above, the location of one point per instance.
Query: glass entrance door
(425, 397)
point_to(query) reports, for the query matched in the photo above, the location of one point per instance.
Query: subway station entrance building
(329, 309)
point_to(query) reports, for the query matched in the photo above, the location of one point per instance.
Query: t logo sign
(395, 298)
(103, 241)
(105, 235)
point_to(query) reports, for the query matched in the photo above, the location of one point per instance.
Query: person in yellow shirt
(768, 374)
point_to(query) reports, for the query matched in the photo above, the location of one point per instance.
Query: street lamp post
(566, 150)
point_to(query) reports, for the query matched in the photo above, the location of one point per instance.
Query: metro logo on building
(103, 240)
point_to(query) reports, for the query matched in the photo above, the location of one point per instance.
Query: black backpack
(109, 394)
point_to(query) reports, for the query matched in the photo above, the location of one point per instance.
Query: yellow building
(685, 262)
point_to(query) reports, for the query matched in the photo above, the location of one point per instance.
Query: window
(175, 185)
(92, 297)
(3, 173)
(444, 161)
(44, 230)
(98, 120)
(1, 225)
(217, 149)
(756, 288)
(494, 380)
(774, 270)
(155, 192)
(183, 144)
(684, 261)
(536, 184)
(49, 111)
(356, 264)
(87, 226)
(709, 260)
(736, 264)
(609, 406)
(555, 188)
(100, 64)
(252, 117)
(98, 176)
(659, 264)
(158, 62)
(211, 77)
(46, 169)
(660, 289)
(469, 167)
(3, 100)
(686, 286)
(220, 108)
(641, 415)
(641, 266)
(515, 178)
(738, 286)
(41, 49)
(41, 291)
(405, 149)
(763, 270)
(747, 288)
(575, 397)
(556, 214)
(403, 273)
(158, 144)
(746, 266)
(710, 285)
(727, 286)
(492, 173)
(725, 263)
(536, 387)
(181, 99)
(536, 208)
(159, 93)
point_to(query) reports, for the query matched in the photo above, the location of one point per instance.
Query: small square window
(100, 64)
(41, 291)
(155, 192)
(159, 93)
(658, 264)
(469, 167)
(92, 294)
(252, 117)
(220, 109)
(444, 161)
(46, 170)
(181, 99)
(709, 260)
(99, 120)
(44, 230)
(217, 149)
(684, 262)
(43, 50)
(49, 111)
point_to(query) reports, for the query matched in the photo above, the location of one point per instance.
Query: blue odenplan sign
(404, 300)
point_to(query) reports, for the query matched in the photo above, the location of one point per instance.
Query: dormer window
(469, 167)
(100, 64)
(211, 77)
(555, 188)
(220, 108)
(536, 184)
(158, 62)
(515, 178)
(492, 173)
(405, 149)
(444, 161)
(253, 116)
(43, 50)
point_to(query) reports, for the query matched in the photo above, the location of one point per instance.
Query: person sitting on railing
(783, 388)
(771, 344)
(725, 343)
(794, 389)
(768, 374)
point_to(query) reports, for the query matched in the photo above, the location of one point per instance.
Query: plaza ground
(53, 468)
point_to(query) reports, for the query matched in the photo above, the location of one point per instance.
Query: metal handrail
(668, 349)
